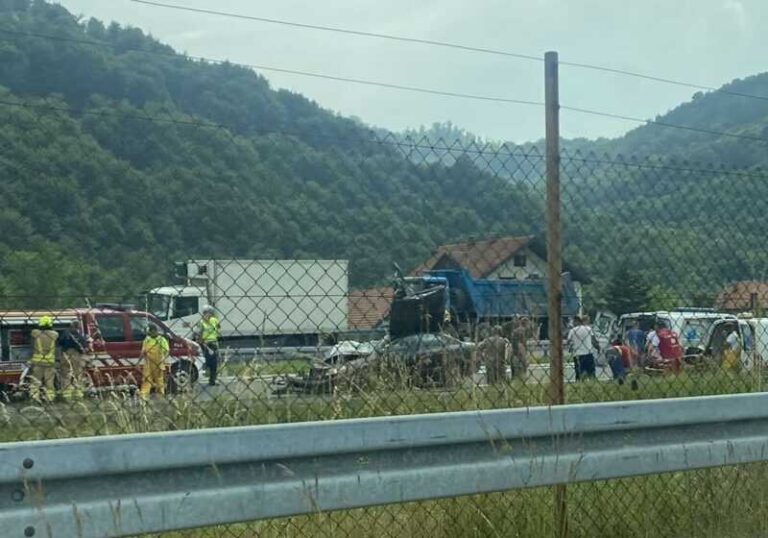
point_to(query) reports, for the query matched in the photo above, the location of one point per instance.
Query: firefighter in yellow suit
(154, 350)
(42, 365)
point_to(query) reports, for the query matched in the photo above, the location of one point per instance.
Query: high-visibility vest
(155, 348)
(210, 330)
(44, 347)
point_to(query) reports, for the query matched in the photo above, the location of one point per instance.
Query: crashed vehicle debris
(429, 360)
(418, 351)
(343, 362)
(427, 317)
(418, 360)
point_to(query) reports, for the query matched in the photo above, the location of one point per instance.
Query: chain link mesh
(317, 327)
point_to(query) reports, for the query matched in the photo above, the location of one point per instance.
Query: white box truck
(259, 302)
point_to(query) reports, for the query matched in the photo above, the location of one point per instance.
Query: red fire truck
(116, 334)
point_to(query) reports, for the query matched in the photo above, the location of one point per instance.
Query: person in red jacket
(618, 356)
(664, 349)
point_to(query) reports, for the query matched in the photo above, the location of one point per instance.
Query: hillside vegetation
(116, 161)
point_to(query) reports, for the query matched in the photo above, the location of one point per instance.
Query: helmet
(208, 309)
(45, 322)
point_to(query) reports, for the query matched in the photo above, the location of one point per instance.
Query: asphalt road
(234, 387)
(31, 415)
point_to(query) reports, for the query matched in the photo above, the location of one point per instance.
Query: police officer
(154, 350)
(209, 328)
(43, 362)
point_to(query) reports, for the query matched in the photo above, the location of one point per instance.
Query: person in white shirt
(652, 343)
(580, 343)
(731, 355)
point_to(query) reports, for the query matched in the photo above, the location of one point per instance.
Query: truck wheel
(183, 375)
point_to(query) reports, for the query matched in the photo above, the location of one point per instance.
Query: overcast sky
(708, 42)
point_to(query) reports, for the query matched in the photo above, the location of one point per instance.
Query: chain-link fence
(425, 291)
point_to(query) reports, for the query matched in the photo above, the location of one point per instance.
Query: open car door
(604, 325)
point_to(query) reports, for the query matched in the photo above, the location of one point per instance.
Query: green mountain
(118, 156)
(728, 110)
(680, 208)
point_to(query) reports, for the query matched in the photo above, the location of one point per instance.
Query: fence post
(554, 263)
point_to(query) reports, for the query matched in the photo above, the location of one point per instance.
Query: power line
(754, 174)
(373, 137)
(365, 82)
(663, 124)
(451, 45)
(98, 113)
(664, 80)
(389, 140)
(416, 89)
(348, 31)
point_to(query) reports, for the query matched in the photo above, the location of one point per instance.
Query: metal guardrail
(269, 354)
(134, 484)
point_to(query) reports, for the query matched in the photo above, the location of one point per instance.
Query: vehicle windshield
(419, 284)
(645, 322)
(694, 330)
(603, 324)
(158, 305)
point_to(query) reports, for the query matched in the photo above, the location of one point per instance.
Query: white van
(753, 335)
(692, 325)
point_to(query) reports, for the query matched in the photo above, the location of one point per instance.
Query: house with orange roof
(744, 296)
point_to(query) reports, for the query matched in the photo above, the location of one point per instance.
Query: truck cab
(179, 307)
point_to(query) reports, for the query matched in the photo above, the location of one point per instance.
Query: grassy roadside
(246, 369)
(718, 502)
(724, 502)
(120, 413)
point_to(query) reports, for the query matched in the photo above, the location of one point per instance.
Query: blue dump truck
(438, 299)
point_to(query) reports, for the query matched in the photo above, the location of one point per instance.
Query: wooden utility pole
(554, 262)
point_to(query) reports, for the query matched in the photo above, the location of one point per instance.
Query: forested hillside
(118, 156)
(680, 209)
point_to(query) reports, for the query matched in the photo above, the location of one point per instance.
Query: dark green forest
(118, 156)
(115, 162)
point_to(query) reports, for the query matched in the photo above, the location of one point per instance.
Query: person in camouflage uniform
(521, 330)
(494, 353)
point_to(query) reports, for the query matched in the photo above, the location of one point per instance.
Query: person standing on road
(209, 328)
(154, 351)
(43, 362)
(494, 353)
(580, 342)
(520, 335)
(74, 347)
(652, 343)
